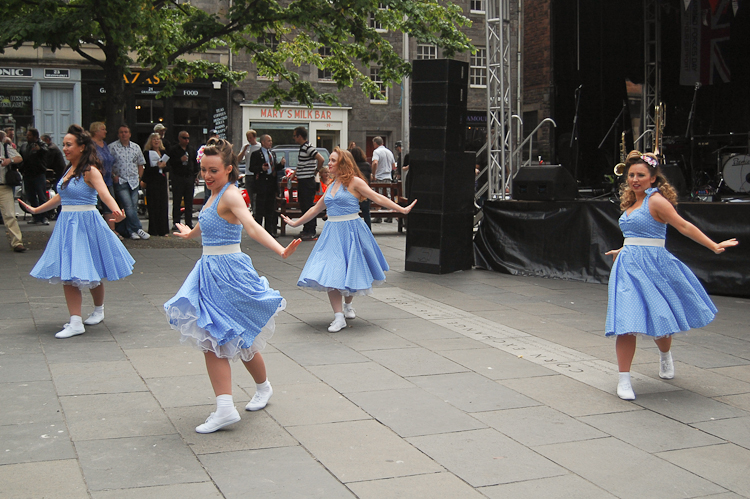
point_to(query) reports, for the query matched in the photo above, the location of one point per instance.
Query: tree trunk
(114, 85)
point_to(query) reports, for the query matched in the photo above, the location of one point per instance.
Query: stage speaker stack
(440, 227)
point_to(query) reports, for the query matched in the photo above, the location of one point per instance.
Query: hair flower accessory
(652, 162)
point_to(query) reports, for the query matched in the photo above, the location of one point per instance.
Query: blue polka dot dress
(82, 250)
(651, 292)
(346, 256)
(224, 306)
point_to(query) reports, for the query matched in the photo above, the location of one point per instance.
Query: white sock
(625, 378)
(224, 405)
(263, 387)
(75, 320)
(99, 309)
(663, 356)
(338, 315)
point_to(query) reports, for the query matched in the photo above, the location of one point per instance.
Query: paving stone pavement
(467, 385)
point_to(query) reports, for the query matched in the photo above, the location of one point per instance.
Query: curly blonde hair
(627, 196)
(347, 167)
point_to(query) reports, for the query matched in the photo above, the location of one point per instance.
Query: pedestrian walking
(82, 250)
(223, 307)
(652, 293)
(346, 261)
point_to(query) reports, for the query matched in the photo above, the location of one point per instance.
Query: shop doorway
(327, 140)
(57, 112)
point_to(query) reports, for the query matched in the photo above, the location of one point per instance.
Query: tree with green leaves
(161, 38)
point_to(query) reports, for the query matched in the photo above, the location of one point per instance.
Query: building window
(477, 6)
(375, 77)
(375, 24)
(271, 41)
(478, 68)
(324, 74)
(425, 51)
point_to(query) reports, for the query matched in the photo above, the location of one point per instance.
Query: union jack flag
(705, 41)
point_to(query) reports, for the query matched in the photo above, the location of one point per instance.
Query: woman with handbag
(9, 180)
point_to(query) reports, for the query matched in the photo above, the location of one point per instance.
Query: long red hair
(347, 167)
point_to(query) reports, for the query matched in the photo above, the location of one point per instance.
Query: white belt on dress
(79, 207)
(226, 249)
(342, 218)
(643, 241)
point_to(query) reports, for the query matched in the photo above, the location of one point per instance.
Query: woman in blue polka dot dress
(652, 293)
(346, 260)
(223, 307)
(82, 250)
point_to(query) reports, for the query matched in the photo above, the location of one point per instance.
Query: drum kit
(735, 172)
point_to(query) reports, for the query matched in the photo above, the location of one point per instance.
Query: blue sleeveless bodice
(640, 223)
(216, 231)
(343, 203)
(77, 192)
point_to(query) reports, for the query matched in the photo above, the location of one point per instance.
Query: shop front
(326, 126)
(45, 98)
(195, 107)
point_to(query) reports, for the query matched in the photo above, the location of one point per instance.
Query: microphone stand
(690, 134)
(614, 123)
(574, 134)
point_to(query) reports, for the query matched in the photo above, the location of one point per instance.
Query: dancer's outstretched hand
(291, 248)
(614, 253)
(184, 231)
(726, 244)
(117, 216)
(27, 207)
(407, 209)
(289, 221)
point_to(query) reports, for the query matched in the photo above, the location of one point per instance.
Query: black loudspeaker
(438, 126)
(448, 70)
(439, 243)
(437, 92)
(544, 183)
(674, 175)
(442, 182)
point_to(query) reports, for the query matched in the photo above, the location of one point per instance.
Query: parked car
(291, 153)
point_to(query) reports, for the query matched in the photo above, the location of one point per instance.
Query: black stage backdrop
(568, 240)
(598, 44)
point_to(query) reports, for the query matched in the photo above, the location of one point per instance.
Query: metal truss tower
(500, 91)
(651, 69)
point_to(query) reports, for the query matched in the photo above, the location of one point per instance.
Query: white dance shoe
(338, 323)
(349, 312)
(69, 330)
(214, 423)
(94, 318)
(666, 367)
(259, 400)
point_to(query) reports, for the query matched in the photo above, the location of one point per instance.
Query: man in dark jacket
(184, 170)
(34, 171)
(264, 166)
(55, 158)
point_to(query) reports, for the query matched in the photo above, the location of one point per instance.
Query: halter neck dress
(346, 257)
(650, 291)
(82, 250)
(224, 306)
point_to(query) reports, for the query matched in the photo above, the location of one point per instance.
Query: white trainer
(666, 367)
(349, 312)
(214, 423)
(69, 330)
(338, 323)
(143, 234)
(259, 400)
(94, 318)
(134, 236)
(625, 391)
